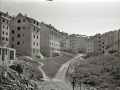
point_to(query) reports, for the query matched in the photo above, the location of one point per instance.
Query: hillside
(52, 64)
(11, 80)
(102, 71)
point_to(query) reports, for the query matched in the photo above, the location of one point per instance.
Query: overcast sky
(85, 17)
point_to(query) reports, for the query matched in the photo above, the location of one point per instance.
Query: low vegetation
(102, 71)
(52, 64)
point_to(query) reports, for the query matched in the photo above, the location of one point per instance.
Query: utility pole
(118, 41)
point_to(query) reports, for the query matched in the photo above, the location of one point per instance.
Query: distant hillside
(102, 71)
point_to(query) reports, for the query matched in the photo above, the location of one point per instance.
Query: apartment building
(81, 45)
(4, 28)
(50, 39)
(63, 40)
(67, 45)
(25, 35)
(109, 39)
(74, 43)
(95, 44)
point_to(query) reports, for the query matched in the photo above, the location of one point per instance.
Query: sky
(84, 17)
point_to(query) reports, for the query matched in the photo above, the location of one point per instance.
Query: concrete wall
(4, 32)
(44, 40)
(96, 45)
(81, 46)
(74, 43)
(50, 40)
(26, 38)
(6, 54)
(35, 40)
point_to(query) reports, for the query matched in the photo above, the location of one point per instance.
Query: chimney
(13, 16)
(7, 13)
(25, 15)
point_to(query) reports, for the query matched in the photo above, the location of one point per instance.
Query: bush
(17, 68)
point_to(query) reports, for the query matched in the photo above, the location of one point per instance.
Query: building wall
(7, 55)
(27, 39)
(74, 43)
(81, 47)
(50, 40)
(35, 40)
(109, 39)
(96, 45)
(4, 28)
(63, 40)
(24, 40)
(44, 40)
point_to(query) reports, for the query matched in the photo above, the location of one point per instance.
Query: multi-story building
(50, 39)
(67, 45)
(25, 35)
(74, 43)
(109, 39)
(81, 46)
(4, 28)
(63, 40)
(95, 44)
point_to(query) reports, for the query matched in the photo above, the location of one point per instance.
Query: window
(37, 50)
(18, 35)
(3, 38)
(3, 32)
(12, 31)
(37, 37)
(6, 39)
(23, 34)
(3, 26)
(18, 43)
(99, 41)
(23, 27)
(23, 20)
(103, 46)
(23, 42)
(37, 44)
(7, 22)
(7, 27)
(33, 36)
(12, 38)
(12, 46)
(34, 22)
(19, 21)
(37, 23)
(18, 28)
(37, 30)
(99, 49)
(34, 29)
(3, 20)
(103, 42)
(6, 33)
(33, 50)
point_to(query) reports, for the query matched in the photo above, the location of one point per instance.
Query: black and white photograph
(59, 44)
